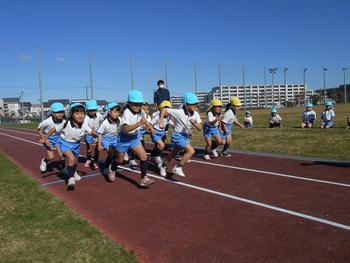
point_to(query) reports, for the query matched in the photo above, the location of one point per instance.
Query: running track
(240, 209)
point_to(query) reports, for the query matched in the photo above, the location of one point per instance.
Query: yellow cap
(165, 103)
(235, 101)
(216, 102)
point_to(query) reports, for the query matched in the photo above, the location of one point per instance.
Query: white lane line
(275, 208)
(256, 171)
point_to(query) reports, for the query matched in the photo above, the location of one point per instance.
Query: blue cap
(111, 105)
(136, 96)
(273, 110)
(308, 105)
(77, 104)
(329, 103)
(91, 105)
(190, 98)
(57, 106)
(247, 112)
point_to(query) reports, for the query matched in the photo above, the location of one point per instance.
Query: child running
(327, 116)
(211, 128)
(157, 138)
(107, 133)
(308, 117)
(184, 119)
(71, 131)
(57, 117)
(132, 120)
(92, 119)
(229, 119)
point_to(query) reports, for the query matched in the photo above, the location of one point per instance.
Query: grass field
(332, 143)
(37, 227)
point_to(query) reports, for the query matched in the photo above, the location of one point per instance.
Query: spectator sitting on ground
(275, 120)
(327, 116)
(248, 120)
(348, 120)
(308, 117)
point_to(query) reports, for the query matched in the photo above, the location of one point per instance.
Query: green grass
(37, 227)
(32, 125)
(331, 143)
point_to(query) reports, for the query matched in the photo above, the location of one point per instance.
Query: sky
(271, 33)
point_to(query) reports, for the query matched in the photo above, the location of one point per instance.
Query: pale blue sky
(257, 33)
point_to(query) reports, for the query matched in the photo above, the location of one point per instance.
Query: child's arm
(220, 118)
(238, 123)
(131, 127)
(161, 118)
(99, 143)
(40, 132)
(225, 127)
(220, 127)
(198, 126)
(44, 138)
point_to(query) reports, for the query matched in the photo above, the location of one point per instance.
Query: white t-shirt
(109, 127)
(275, 118)
(49, 123)
(72, 133)
(149, 119)
(210, 118)
(182, 118)
(93, 122)
(308, 115)
(229, 116)
(129, 117)
(249, 119)
(155, 121)
(327, 115)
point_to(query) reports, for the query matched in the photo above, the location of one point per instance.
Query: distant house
(11, 107)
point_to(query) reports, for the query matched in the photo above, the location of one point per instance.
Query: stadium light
(324, 83)
(273, 71)
(345, 69)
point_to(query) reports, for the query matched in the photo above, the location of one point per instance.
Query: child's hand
(143, 120)
(152, 131)
(221, 131)
(161, 125)
(41, 141)
(220, 118)
(226, 130)
(190, 134)
(93, 133)
(48, 144)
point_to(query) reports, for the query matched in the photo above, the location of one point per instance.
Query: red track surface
(175, 223)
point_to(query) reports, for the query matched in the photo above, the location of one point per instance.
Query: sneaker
(77, 176)
(146, 181)
(206, 157)
(158, 159)
(215, 153)
(162, 170)
(133, 164)
(111, 174)
(178, 171)
(71, 183)
(226, 154)
(87, 163)
(96, 165)
(126, 157)
(43, 165)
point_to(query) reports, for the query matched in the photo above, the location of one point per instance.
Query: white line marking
(256, 171)
(275, 208)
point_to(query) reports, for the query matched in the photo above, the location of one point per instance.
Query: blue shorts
(224, 134)
(71, 146)
(109, 141)
(247, 124)
(91, 139)
(54, 140)
(158, 136)
(330, 125)
(180, 140)
(209, 132)
(126, 142)
(142, 132)
(312, 122)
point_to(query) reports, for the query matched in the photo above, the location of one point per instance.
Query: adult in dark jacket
(160, 94)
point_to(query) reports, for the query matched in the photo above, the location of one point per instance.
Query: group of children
(122, 130)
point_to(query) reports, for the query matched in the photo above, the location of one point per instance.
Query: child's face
(273, 114)
(78, 116)
(145, 109)
(328, 107)
(92, 113)
(191, 107)
(114, 113)
(247, 114)
(217, 109)
(308, 108)
(236, 108)
(136, 107)
(58, 115)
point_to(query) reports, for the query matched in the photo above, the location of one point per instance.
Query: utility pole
(265, 92)
(273, 71)
(195, 77)
(166, 74)
(324, 84)
(220, 82)
(345, 69)
(40, 85)
(305, 97)
(91, 84)
(285, 86)
(132, 73)
(244, 103)
(87, 95)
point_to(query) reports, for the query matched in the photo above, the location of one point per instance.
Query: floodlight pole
(244, 103)
(132, 73)
(220, 82)
(305, 69)
(265, 92)
(285, 86)
(91, 83)
(166, 73)
(40, 85)
(345, 69)
(195, 77)
(273, 71)
(324, 84)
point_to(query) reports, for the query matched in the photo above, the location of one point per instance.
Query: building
(203, 96)
(261, 96)
(11, 107)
